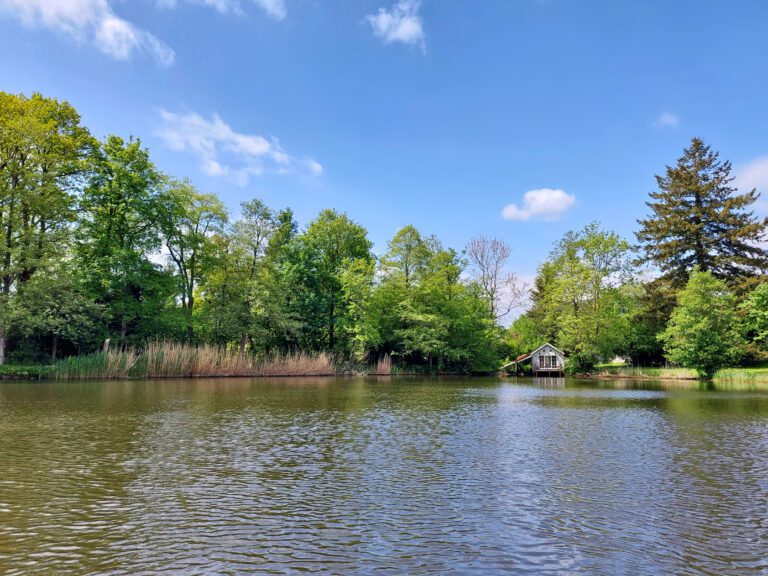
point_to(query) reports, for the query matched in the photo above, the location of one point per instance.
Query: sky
(520, 119)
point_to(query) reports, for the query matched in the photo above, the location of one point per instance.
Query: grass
(740, 375)
(173, 360)
(24, 372)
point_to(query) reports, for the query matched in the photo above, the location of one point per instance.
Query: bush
(579, 363)
(27, 372)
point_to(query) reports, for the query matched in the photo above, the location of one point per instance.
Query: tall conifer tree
(699, 219)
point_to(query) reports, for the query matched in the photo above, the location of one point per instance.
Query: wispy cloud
(754, 174)
(399, 23)
(540, 204)
(277, 9)
(667, 120)
(225, 152)
(91, 21)
(95, 22)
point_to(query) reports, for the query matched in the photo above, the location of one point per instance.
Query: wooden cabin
(546, 360)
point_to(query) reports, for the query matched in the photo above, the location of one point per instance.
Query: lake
(380, 476)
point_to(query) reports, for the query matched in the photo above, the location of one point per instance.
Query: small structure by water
(546, 360)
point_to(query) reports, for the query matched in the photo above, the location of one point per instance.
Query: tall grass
(173, 360)
(740, 377)
(383, 366)
(643, 372)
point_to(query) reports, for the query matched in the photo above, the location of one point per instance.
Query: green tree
(357, 287)
(188, 220)
(585, 296)
(235, 274)
(523, 336)
(756, 311)
(55, 306)
(540, 313)
(407, 255)
(42, 147)
(703, 332)
(654, 302)
(429, 316)
(699, 219)
(324, 251)
(118, 233)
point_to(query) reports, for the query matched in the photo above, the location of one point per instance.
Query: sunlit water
(355, 476)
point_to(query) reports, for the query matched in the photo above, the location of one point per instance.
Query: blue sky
(518, 118)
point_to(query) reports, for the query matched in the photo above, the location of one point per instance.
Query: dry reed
(174, 360)
(383, 366)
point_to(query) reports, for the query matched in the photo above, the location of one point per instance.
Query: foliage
(699, 219)
(655, 301)
(703, 332)
(330, 244)
(23, 372)
(582, 294)
(524, 336)
(579, 363)
(117, 233)
(42, 152)
(98, 245)
(756, 310)
(188, 219)
(54, 303)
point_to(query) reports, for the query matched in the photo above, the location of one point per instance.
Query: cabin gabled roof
(544, 345)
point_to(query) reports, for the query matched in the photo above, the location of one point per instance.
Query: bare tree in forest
(488, 258)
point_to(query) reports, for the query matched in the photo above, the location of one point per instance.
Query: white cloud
(90, 21)
(275, 8)
(225, 152)
(754, 174)
(315, 168)
(540, 204)
(400, 23)
(667, 120)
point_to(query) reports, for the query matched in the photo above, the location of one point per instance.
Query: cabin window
(548, 361)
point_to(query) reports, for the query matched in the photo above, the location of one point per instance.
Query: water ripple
(371, 477)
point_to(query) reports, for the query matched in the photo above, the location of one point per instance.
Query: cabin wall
(547, 359)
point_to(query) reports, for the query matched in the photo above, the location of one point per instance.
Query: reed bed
(102, 365)
(642, 372)
(173, 360)
(727, 378)
(383, 366)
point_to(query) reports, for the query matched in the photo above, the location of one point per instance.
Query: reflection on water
(363, 476)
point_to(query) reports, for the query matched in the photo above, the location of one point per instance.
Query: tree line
(97, 244)
(691, 290)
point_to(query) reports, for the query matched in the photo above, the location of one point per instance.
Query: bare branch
(488, 258)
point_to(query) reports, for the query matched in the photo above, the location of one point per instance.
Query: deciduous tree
(703, 332)
(42, 151)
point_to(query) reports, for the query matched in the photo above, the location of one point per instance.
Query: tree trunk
(331, 322)
(243, 340)
(54, 347)
(190, 325)
(2, 345)
(123, 331)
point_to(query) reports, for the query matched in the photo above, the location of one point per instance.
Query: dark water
(380, 477)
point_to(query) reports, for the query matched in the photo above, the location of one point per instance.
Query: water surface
(379, 476)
